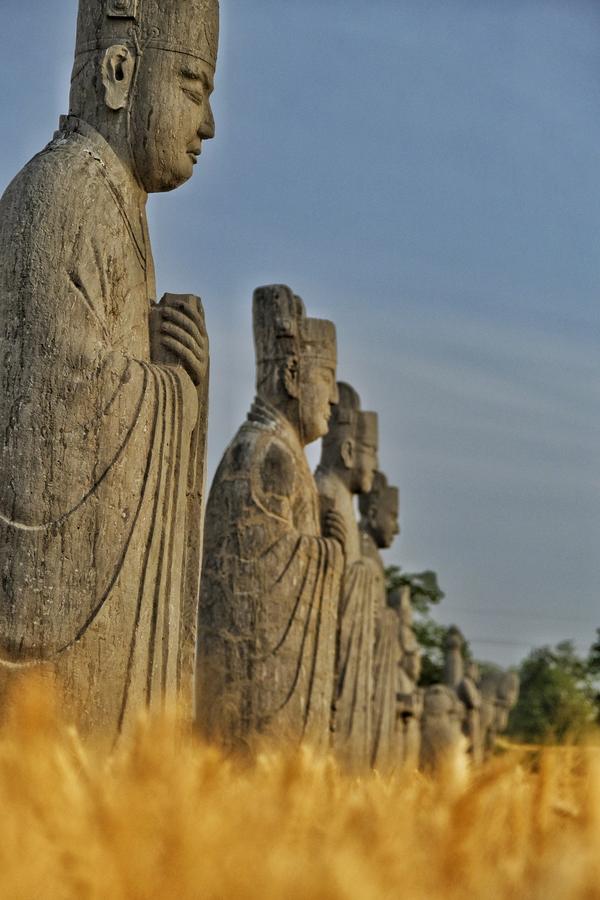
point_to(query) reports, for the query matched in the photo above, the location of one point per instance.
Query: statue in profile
(271, 574)
(499, 693)
(379, 511)
(104, 392)
(464, 681)
(409, 696)
(347, 468)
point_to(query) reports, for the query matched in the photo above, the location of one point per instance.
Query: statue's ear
(347, 454)
(117, 73)
(291, 378)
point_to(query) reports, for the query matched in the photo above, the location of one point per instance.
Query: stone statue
(470, 696)
(464, 681)
(500, 693)
(409, 695)
(378, 527)
(271, 576)
(347, 468)
(441, 729)
(453, 658)
(103, 402)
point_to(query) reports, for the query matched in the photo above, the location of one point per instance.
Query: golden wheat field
(164, 817)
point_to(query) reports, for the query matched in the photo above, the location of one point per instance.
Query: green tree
(556, 702)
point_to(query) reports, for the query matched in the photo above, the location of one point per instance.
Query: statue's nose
(207, 129)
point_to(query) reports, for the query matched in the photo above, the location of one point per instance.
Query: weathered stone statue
(347, 468)
(103, 401)
(453, 658)
(378, 527)
(271, 580)
(441, 728)
(409, 694)
(464, 680)
(499, 693)
(470, 696)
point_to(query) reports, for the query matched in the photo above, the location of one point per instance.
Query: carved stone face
(171, 116)
(412, 665)
(317, 393)
(365, 464)
(383, 520)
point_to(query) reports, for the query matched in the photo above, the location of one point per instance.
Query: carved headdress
(381, 494)
(178, 26)
(349, 422)
(283, 331)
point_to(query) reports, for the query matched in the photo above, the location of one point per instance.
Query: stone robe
(410, 696)
(100, 462)
(269, 595)
(386, 746)
(353, 703)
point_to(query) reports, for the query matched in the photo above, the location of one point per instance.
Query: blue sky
(427, 174)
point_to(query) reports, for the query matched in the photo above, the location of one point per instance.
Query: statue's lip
(195, 153)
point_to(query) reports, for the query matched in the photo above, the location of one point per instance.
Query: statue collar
(265, 416)
(121, 182)
(119, 175)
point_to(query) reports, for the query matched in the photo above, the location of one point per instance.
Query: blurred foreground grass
(167, 818)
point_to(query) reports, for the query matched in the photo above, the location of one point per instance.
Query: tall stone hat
(283, 330)
(178, 26)
(367, 428)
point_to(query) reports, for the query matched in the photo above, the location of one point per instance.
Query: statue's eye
(194, 96)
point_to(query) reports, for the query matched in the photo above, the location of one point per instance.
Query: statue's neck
(114, 135)
(338, 471)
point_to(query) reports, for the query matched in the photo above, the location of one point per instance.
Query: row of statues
(467, 709)
(262, 612)
(299, 638)
(296, 638)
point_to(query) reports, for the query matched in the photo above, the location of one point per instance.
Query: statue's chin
(163, 182)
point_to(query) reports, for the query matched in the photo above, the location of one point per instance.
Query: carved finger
(184, 338)
(335, 520)
(190, 307)
(334, 530)
(171, 314)
(195, 369)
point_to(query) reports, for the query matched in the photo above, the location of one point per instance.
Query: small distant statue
(470, 696)
(453, 658)
(347, 468)
(271, 577)
(500, 693)
(409, 696)
(464, 681)
(379, 526)
(104, 393)
(441, 728)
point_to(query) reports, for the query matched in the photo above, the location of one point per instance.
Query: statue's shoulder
(260, 456)
(54, 183)
(275, 466)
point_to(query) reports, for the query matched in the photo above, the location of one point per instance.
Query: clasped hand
(178, 334)
(335, 527)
